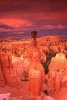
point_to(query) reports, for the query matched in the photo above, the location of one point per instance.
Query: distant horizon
(28, 35)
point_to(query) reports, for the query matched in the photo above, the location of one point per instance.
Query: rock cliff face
(51, 42)
(49, 38)
(57, 74)
(53, 56)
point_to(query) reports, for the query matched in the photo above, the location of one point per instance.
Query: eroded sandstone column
(36, 70)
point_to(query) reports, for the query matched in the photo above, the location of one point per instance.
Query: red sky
(33, 14)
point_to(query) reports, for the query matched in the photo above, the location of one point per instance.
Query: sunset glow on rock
(33, 49)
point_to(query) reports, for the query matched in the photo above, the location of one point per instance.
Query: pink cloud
(14, 22)
(53, 27)
(48, 26)
(60, 27)
(65, 26)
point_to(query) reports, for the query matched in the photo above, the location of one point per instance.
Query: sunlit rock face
(7, 70)
(63, 93)
(36, 72)
(57, 72)
(49, 38)
(18, 66)
(2, 83)
(57, 76)
(58, 62)
(65, 67)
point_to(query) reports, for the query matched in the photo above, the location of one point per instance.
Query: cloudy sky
(44, 16)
